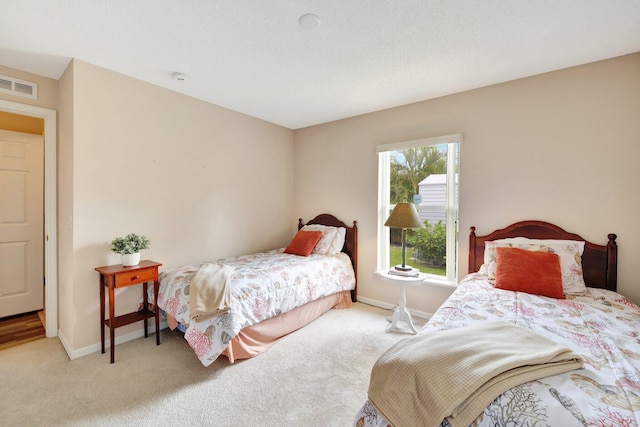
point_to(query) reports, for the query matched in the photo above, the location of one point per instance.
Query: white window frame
(384, 202)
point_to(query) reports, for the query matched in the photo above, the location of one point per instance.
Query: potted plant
(129, 248)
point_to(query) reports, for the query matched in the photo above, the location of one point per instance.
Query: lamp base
(399, 267)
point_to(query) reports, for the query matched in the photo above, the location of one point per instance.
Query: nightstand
(401, 313)
(118, 276)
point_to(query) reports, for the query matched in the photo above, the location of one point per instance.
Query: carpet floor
(316, 376)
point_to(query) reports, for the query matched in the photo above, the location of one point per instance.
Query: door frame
(50, 207)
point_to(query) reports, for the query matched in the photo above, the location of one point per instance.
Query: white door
(21, 223)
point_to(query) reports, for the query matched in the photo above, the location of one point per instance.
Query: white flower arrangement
(130, 244)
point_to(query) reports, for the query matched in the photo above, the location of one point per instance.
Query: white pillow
(332, 239)
(338, 243)
(490, 252)
(569, 251)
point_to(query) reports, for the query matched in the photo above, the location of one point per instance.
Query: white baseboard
(385, 305)
(94, 348)
(64, 343)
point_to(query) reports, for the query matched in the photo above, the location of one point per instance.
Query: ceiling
(253, 56)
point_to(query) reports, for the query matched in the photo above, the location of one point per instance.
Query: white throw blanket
(209, 292)
(456, 373)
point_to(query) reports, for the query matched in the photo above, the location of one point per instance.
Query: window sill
(435, 280)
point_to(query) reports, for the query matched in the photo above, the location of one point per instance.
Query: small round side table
(401, 313)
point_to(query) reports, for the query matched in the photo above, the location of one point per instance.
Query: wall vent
(18, 87)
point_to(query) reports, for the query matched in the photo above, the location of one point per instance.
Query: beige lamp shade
(404, 215)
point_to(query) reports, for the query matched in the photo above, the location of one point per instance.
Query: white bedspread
(601, 326)
(263, 285)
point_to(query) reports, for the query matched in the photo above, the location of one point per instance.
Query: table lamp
(404, 216)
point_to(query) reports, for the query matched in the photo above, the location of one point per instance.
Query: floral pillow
(569, 251)
(332, 239)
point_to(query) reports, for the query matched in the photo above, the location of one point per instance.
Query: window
(424, 172)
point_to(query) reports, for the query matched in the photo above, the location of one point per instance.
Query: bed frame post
(354, 259)
(612, 263)
(472, 253)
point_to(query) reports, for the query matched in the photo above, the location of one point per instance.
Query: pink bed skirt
(256, 339)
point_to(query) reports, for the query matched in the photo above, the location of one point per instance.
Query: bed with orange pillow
(537, 278)
(241, 306)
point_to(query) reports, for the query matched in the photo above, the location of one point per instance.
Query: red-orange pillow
(533, 272)
(303, 242)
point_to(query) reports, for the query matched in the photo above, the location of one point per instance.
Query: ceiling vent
(18, 87)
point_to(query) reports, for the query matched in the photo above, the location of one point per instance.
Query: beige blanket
(209, 292)
(456, 373)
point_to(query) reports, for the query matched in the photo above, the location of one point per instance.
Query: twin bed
(557, 288)
(580, 311)
(259, 298)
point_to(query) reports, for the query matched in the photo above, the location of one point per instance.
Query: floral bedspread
(263, 285)
(602, 326)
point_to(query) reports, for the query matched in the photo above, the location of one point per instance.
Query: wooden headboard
(599, 262)
(350, 241)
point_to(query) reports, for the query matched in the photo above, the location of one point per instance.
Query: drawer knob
(135, 277)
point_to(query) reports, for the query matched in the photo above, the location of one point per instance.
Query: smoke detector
(180, 77)
(309, 22)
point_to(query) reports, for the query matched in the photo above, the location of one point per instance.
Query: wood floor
(20, 329)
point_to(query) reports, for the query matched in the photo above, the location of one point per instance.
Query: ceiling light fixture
(309, 22)
(180, 77)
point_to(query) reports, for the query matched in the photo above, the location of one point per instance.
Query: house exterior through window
(424, 172)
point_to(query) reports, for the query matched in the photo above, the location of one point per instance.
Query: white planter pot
(129, 260)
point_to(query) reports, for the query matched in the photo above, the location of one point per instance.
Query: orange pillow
(303, 242)
(533, 272)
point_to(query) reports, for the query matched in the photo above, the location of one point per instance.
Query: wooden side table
(401, 313)
(119, 276)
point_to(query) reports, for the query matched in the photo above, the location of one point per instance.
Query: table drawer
(135, 277)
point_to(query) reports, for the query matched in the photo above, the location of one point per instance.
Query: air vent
(17, 87)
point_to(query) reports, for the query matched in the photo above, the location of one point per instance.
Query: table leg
(401, 313)
(102, 279)
(112, 318)
(406, 316)
(394, 320)
(145, 306)
(156, 289)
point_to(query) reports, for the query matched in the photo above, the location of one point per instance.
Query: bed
(595, 323)
(239, 307)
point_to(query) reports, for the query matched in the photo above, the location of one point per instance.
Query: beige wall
(560, 147)
(202, 182)
(67, 310)
(47, 98)
(47, 89)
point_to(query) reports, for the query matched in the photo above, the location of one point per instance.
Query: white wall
(560, 147)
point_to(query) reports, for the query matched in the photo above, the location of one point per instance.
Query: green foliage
(430, 243)
(130, 244)
(395, 258)
(410, 167)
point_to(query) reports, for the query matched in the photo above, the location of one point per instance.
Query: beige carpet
(317, 376)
